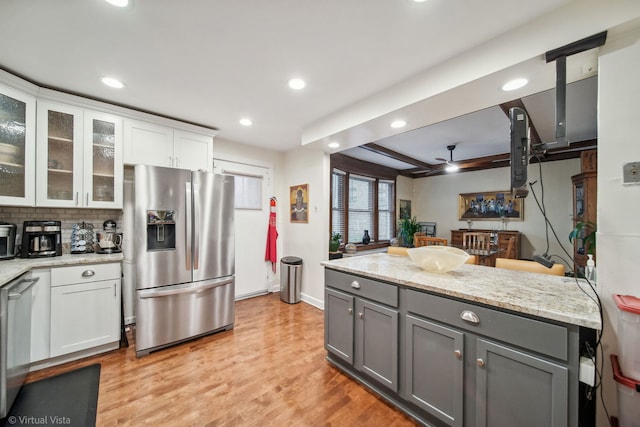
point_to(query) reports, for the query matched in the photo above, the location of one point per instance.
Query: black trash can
(290, 279)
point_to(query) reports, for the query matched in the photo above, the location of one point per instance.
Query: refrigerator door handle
(196, 223)
(187, 237)
(176, 290)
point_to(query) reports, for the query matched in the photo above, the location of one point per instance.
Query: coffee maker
(109, 242)
(41, 239)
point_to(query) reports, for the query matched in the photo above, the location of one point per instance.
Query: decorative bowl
(438, 259)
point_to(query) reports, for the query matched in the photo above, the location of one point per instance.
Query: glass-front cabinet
(103, 183)
(79, 158)
(17, 147)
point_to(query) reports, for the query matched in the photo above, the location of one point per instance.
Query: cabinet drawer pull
(88, 273)
(469, 316)
(355, 284)
(350, 310)
(361, 315)
(480, 363)
(458, 354)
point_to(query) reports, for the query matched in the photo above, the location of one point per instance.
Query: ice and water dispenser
(161, 230)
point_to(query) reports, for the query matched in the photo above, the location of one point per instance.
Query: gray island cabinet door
(434, 369)
(377, 342)
(518, 389)
(338, 328)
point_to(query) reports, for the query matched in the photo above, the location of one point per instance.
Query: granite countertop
(10, 269)
(564, 299)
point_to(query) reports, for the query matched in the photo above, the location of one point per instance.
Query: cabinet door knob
(480, 363)
(355, 284)
(361, 315)
(458, 354)
(88, 273)
(469, 316)
(350, 310)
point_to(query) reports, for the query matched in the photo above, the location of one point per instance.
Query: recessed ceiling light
(333, 145)
(419, 1)
(398, 124)
(111, 82)
(245, 121)
(297, 84)
(119, 3)
(514, 84)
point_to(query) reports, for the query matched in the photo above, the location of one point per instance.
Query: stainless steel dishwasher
(15, 338)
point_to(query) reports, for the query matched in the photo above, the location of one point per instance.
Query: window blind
(385, 209)
(338, 203)
(361, 206)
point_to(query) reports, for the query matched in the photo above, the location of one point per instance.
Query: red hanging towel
(271, 253)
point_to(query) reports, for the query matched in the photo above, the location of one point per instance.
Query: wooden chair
(530, 266)
(397, 250)
(476, 240)
(429, 241)
(511, 249)
(473, 259)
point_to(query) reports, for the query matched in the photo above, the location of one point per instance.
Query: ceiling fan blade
(440, 159)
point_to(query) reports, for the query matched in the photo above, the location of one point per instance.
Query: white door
(254, 188)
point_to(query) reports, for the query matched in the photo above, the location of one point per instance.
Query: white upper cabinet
(17, 147)
(151, 144)
(79, 157)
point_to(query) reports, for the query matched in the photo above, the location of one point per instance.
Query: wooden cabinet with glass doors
(81, 154)
(17, 147)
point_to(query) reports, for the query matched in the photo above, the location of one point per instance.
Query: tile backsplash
(67, 216)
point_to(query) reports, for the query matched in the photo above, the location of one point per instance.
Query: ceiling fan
(451, 166)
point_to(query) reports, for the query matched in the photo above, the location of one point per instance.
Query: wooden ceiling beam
(361, 167)
(506, 106)
(342, 161)
(379, 149)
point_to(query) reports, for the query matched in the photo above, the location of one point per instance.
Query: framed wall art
(490, 206)
(299, 202)
(405, 209)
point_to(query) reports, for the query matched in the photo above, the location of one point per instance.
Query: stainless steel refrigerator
(184, 255)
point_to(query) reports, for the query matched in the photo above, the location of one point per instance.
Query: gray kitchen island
(478, 346)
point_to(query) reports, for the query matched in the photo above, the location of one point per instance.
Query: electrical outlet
(587, 371)
(631, 173)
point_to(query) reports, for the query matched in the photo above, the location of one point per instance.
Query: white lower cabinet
(85, 307)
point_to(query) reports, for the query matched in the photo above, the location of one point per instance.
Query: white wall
(436, 199)
(250, 155)
(618, 238)
(309, 241)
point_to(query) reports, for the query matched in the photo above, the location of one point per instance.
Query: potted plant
(334, 242)
(587, 232)
(408, 227)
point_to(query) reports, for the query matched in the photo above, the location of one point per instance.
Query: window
(338, 203)
(248, 191)
(361, 209)
(360, 203)
(385, 210)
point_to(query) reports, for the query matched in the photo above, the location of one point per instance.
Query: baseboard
(312, 301)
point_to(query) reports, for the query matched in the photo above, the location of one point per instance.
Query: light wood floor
(270, 370)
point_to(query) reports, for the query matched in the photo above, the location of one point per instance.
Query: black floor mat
(69, 399)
